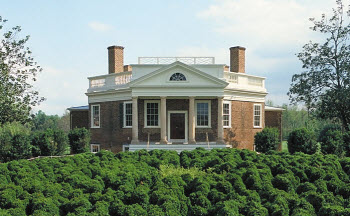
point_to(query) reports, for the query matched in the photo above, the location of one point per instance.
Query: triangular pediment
(194, 78)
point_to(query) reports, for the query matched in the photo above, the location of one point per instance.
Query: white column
(163, 138)
(191, 123)
(220, 123)
(135, 123)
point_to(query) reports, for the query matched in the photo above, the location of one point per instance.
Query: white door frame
(186, 123)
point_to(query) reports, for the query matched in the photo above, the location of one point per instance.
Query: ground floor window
(203, 113)
(226, 114)
(95, 148)
(127, 114)
(152, 113)
(257, 115)
(95, 116)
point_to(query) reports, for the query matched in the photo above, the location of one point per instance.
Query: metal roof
(79, 108)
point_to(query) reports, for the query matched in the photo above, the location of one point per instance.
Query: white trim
(124, 114)
(92, 145)
(260, 121)
(186, 127)
(92, 116)
(209, 112)
(230, 114)
(145, 113)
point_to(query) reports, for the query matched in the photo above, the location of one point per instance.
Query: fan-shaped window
(177, 77)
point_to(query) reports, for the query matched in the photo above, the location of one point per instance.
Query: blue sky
(69, 39)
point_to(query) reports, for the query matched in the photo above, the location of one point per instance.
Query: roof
(270, 108)
(79, 108)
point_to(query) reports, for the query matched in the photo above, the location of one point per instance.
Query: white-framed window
(95, 148)
(257, 116)
(177, 77)
(226, 114)
(203, 113)
(127, 112)
(152, 110)
(95, 116)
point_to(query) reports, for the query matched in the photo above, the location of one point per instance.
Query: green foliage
(18, 71)
(49, 142)
(42, 122)
(324, 86)
(266, 140)
(332, 141)
(242, 182)
(14, 142)
(79, 140)
(302, 140)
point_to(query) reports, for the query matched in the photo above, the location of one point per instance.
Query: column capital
(221, 97)
(134, 97)
(163, 97)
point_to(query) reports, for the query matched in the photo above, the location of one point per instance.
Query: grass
(284, 146)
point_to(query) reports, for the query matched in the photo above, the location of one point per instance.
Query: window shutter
(121, 115)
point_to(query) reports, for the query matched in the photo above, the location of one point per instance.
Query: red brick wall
(274, 119)
(242, 132)
(111, 135)
(79, 119)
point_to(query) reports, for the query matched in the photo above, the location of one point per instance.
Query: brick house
(177, 103)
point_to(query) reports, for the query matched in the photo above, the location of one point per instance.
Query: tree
(18, 71)
(302, 140)
(324, 86)
(266, 140)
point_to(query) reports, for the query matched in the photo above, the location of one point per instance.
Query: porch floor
(179, 147)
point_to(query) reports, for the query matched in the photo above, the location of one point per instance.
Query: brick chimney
(237, 59)
(115, 59)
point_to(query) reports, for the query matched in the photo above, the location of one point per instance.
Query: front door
(177, 126)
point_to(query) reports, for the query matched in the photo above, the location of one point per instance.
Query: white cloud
(100, 27)
(62, 88)
(263, 22)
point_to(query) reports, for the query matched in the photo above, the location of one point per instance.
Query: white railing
(242, 79)
(109, 81)
(169, 60)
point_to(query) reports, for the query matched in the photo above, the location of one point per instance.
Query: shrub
(14, 141)
(346, 140)
(49, 142)
(302, 140)
(79, 140)
(331, 142)
(266, 140)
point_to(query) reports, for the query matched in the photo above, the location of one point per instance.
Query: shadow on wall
(230, 137)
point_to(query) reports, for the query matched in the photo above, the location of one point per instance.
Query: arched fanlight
(177, 77)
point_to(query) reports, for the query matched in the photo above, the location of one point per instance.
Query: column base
(163, 141)
(192, 141)
(135, 142)
(220, 141)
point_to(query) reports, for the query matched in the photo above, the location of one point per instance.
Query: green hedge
(199, 182)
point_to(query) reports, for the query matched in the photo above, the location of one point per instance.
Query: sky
(69, 39)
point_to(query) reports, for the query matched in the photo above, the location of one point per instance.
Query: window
(127, 114)
(257, 115)
(226, 118)
(177, 77)
(95, 116)
(95, 148)
(152, 113)
(203, 114)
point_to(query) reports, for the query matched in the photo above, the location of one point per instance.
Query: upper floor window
(203, 114)
(152, 113)
(226, 118)
(177, 77)
(127, 114)
(257, 115)
(95, 116)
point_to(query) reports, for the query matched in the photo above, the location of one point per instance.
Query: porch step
(175, 147)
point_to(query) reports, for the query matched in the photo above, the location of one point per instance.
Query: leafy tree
(41, 121)
(79, 140)
(302, 140)
(49, 142)
(266, 140)
(324, 86)
(18, 71)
